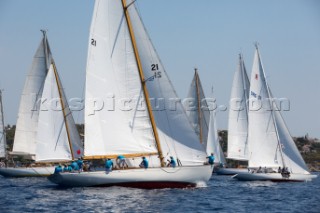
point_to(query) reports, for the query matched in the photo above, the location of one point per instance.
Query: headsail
(198, 110)
(176, 135)
(270, 143)
(54, 141)
(3, 141)
(27, 123)
(238, 114)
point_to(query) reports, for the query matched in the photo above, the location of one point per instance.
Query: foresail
(292, 156)
(213, 144)
(52, 140)
(27, 123)
(116, 119)
(3, 141)
(263, 141)
(56, 135)
(198, 119)
(238, 115)
(177, 137)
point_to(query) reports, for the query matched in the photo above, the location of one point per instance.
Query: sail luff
(142, 79)
(63, 107)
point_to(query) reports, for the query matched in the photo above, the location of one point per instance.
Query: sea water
(222, 194)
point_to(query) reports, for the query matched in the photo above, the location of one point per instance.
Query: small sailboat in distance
(3, 140)
(124, 68)
(45, 132)
(273, 153)
(238, 119)
(203, 119)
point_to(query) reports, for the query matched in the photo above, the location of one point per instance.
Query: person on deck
(211, 159)
(74, 166)
(144, 163)
(109, 165)
(279, 169)
(172, 162)
(121, 162)
(80, 164)
(58, 169)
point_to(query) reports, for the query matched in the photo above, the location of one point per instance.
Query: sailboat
(45, 131)
(124, 74)
(3, 141)
(203, 120)
(238, 119)
(273, 155)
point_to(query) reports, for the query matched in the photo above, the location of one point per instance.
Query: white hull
(276, 177)
(229, 171)
(167, 177)
(27, 171)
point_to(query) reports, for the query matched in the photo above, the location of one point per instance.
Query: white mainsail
(116, 116)
(238, 114)
(213, 144)
(198, 111)
(3, 141)
(27, 123)
(53, 139)
(270, 143)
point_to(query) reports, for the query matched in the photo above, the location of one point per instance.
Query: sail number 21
(155, 68)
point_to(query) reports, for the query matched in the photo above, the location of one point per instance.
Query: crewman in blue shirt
(211, 159)
(58, 169)
(80, 164)
(74, 166)
(121, 162)
(172, 162)
(109, 165)
(144, 163)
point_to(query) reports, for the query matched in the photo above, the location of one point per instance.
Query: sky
(207, 34)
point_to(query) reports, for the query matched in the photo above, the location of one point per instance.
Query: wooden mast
(198, 102)
(142, 79)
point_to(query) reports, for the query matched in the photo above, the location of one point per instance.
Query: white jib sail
(116, 119)
(27, 122)
(177, 137)
(52, 137)
(3, 143)
(238, 115)
(213, 144)
(198, 116)
(268, 135)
